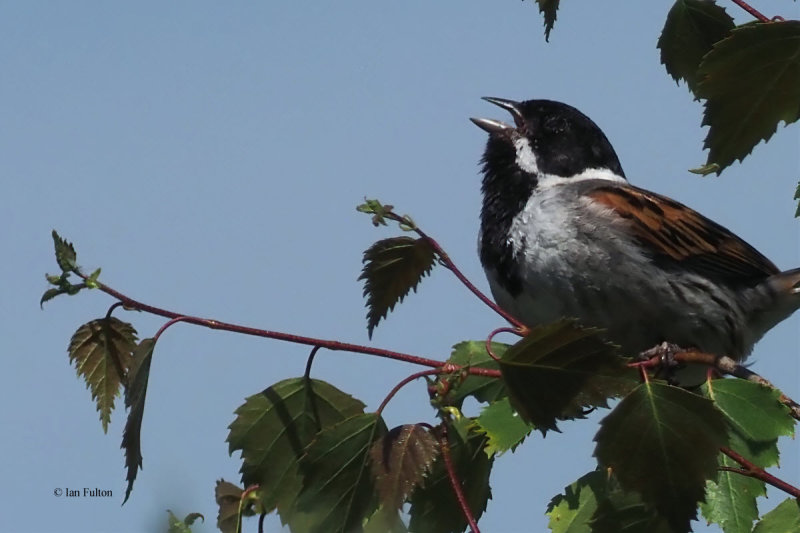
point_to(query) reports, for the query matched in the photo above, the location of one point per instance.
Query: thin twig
(449, 265)
(750, 470)
(750, 9)
(405, 382)
(444, 444)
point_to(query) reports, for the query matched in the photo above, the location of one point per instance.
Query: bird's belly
(638, 304)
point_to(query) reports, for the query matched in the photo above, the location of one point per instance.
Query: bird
(563, 234)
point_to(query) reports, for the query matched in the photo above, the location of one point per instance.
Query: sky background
(209, 158)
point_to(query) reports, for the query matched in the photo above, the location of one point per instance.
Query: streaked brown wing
(683, 237)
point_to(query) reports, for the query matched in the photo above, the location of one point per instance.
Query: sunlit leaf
(392, 268)
(65, 254)
(135, 393)
(400, 459)
(101, 351)
(377, 210)
(273, 428)
(434, 507)
(662, 442)
(503, 426)
(751, 82)
(596, 503)
(337, 487)
(559, 368)
(483, 389)
(756, 419)
(691, 29)
(785, 518)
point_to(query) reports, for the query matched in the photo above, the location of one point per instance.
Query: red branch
(750, 470)
(130, 303)
(405, 382)
(750, 9)
(444, 444)
(449, 265)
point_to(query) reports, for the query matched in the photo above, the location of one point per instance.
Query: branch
(753, 11)
(130, 303)
(444, 444)
(446, 262)
(722, 363)
(750, 470)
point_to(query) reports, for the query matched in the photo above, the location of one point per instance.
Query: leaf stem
(448, 263)
(750, 470)
(405, 382)
(455, 483)
(753, 11)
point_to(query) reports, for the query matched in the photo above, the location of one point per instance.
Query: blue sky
(209, 159)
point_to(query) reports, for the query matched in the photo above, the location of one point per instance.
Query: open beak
(495, 126)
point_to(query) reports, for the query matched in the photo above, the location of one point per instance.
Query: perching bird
(563, 234)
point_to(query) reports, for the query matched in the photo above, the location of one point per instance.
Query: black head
(547, 138)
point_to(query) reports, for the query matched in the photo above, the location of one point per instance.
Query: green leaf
(375, 208)
(503, 426)
(662, 442)
(229, 499)
(754, 412)
(49, 294)
(548, 9)
(756, 419)
(596, 503)
(483, 389)
(691, 29)
(91, 281)
(273, 428)
(797, 197)
(400, 459)
(751, 82)
(393, 267)
(434, 507)
(337, 487)
(65, 254)
(135, 393)
(559, 368)
(385, 520)
(785, 518)
(176, 525)
(101, 351)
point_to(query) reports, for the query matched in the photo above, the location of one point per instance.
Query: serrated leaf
(392, 268)
(691, 29)
(503, 426)
(572, 511)
(754, 413)
(756, 419)
(400, 459)
(101, 352)
(548, 9)
(135, 393)
(751, 82)
(434, 507)
(228, 497)
(483, 389)
(273, 428)
(559, 368)
(49, 294)
(596, 503)
(785, 518)
(662, 442)
(337, 488)
(65, 253)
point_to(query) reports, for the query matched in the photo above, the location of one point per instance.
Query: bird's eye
(555, 124)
